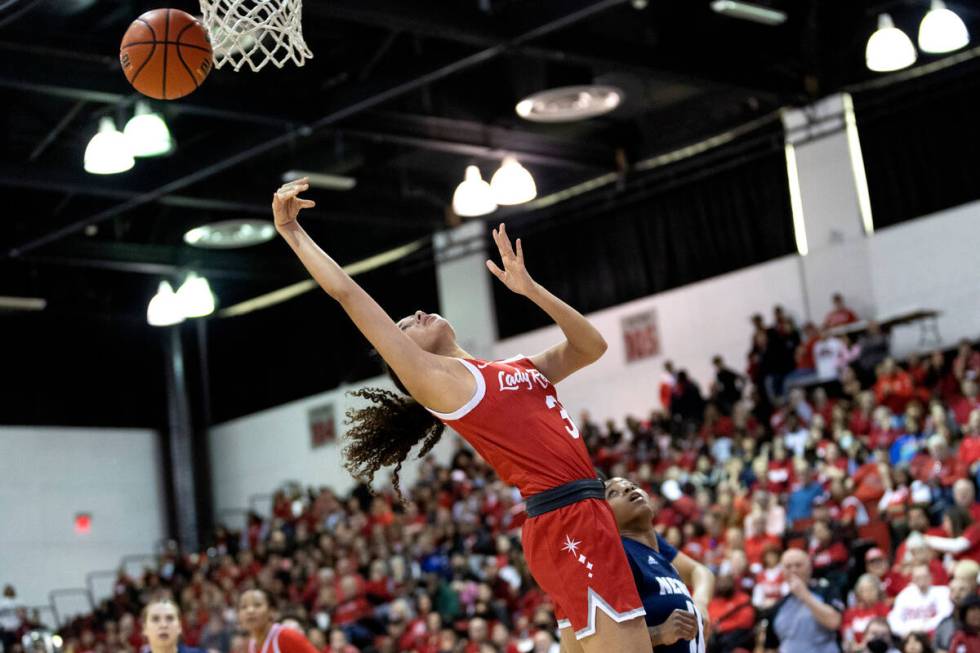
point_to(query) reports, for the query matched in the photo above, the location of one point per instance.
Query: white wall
(47, 475)
(257, 453)
(933, 262)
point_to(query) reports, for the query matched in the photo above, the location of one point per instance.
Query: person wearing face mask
(162, 628)
(878, 638)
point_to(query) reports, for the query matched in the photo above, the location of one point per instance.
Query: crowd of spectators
(870, 472)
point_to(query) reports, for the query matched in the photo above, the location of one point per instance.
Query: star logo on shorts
(571, 545)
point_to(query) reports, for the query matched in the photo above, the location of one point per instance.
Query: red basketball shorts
(576, 556)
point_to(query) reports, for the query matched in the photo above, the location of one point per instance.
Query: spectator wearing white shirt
(920, 607)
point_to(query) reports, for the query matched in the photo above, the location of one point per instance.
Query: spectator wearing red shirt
(479, 634)
(967, 639)
(770, 583)
(965, 496)
(940, 465)
(966, 365)
(894, 386)
(870, 603)
(969, 451)
(828, 555)
(759, 541)
(876, 563)
(962, 535)
(731, 615)
(967, 403)
(840, 315)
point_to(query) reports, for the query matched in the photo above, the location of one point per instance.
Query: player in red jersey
(510, 413)
(266, 636)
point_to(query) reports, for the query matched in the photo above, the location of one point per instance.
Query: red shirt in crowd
(855, 620)
(894, 390)
(731, 613)
(962, 407)
(964, 642)
(827, 557)
(755, 547)
(972, 535)
(969, 451)
(839, 317)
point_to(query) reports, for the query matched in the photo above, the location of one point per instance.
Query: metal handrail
(254, 498)
(68, 591)
(92, 575)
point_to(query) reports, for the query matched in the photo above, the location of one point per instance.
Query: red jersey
(283, 640)
(515, 421)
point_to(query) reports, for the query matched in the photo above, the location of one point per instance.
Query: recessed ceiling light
(569, 103)
(230, 234)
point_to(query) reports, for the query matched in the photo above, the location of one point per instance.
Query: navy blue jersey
(661, 589)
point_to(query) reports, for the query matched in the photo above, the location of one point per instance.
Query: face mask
(877, 646)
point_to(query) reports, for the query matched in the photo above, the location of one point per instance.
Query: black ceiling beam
(48, 181)
(394, 15)
(95, 89)
(570, 13)
(469, 138)
(162, 260)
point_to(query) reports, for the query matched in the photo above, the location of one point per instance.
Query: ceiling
(399, 95)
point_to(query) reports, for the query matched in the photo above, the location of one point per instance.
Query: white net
(256, 32)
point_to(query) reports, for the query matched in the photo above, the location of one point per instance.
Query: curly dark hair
(384, 432)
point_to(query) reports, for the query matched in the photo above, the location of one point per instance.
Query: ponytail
(384, 432)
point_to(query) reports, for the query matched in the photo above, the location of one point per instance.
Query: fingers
(306, 204)
(497, 272)
(520, 251)
(504, 242)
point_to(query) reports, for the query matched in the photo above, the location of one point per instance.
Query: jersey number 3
(570, 425)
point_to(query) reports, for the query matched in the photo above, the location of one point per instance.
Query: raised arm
(583, 344)
(436, 382)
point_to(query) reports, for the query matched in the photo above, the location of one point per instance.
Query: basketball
(165, 54)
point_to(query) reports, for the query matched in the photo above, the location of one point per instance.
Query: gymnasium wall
(47, 475)
(256, 454)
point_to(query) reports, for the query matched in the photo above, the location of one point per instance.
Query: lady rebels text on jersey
(515, 421)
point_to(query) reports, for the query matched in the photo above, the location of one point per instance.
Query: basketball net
(255, 32)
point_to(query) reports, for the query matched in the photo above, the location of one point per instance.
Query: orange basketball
(166, 54)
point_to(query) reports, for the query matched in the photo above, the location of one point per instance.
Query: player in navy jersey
(675, 617)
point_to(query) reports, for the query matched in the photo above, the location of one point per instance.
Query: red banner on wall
(323, 425)
(640, 336)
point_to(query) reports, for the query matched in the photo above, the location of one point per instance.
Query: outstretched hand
(286, 202)
(514, 275)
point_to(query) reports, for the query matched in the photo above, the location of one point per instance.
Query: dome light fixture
(147, 133)
(108, 153)
(473, 196)
(512, 183)
(195, 297)
(889, 48)
(941, 30)
(164, 309)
